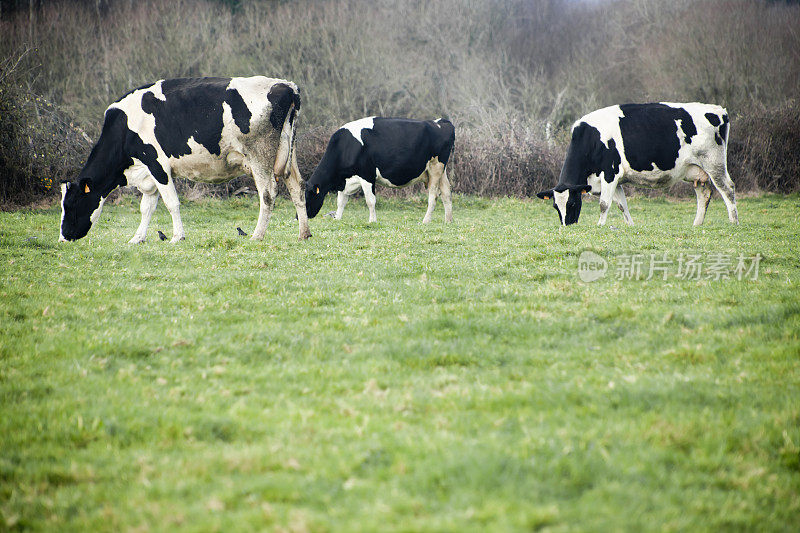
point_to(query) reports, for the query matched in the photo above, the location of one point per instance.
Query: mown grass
(396, 376)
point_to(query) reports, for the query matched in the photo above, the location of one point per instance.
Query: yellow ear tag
(86, 188)
(277, 179)
(317, 190)
(546, 197)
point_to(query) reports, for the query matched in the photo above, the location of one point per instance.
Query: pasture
(399, 377)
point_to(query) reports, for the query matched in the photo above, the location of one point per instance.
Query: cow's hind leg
(446, 198)
(435, 171)
(294, 183)
(170, 197)
(724, 184)
(267, 190)
(147, 208)
(702, 189)
(369, 198)
(622, 202)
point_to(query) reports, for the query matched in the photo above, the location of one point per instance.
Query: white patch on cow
(560, 199)
(158, 91)
(357, 126)
(138, 175)
(96, 213)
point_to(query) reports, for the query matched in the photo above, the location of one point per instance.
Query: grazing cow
(395, 152)
(653, 145)
(203, 129)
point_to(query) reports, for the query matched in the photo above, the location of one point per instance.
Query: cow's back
(657, 137)
(401, 148)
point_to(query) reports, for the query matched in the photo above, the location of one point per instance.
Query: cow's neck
(105, 169)
(573, 172)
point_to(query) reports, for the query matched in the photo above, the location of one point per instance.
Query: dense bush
(764, 153)
(499, 69)
(39, 144)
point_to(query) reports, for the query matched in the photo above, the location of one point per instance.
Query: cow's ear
(582, 189)
(545, 195)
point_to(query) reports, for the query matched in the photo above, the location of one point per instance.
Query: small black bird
(242, 233)
(162, 236)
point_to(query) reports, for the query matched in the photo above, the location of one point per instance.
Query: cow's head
(315, 197)
(80, 207)
(322, 182)
(566, 201)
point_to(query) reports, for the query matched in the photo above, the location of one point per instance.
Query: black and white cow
(203, 129)
(653, 145)
(395, 152)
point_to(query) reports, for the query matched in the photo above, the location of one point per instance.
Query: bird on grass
(162, 236)
(241, 233)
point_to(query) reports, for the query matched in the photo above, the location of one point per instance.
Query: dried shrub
(39, 143)
(764, 150)
(515, 162)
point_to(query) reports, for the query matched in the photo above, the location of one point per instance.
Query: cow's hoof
(136, 240)
(177, 239)
(304, 236)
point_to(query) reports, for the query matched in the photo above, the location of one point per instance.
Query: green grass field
(399, 377)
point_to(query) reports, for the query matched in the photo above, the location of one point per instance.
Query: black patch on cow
(713, 119)
(651, 135)
(723, 129)
(113, 153)
(282, 96)
(398, 148)
(193, 109)
(241, 113)
(588, 155)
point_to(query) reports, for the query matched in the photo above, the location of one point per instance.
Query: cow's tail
(286, 145)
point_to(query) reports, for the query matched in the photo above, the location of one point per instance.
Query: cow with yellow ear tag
(202, 129)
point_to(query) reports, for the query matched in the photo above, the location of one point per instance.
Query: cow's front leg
(294, 183)
(341, 201)
(607, 191)
(267, 190)
(147, 208)
(170, 197)
(622, 202)
(369, 198)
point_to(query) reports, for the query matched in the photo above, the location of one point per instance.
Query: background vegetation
(500, 69)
